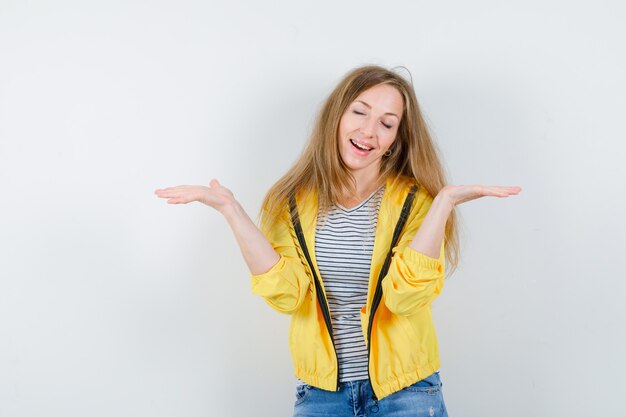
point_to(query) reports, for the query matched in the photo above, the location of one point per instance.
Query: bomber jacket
(402, 344)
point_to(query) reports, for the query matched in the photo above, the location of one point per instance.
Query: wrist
(444, 201)
(232, 210)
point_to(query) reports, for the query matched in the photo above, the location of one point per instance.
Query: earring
(387, 152)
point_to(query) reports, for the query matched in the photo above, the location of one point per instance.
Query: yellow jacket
(402, 345)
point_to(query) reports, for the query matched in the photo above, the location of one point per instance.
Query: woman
(352, 245)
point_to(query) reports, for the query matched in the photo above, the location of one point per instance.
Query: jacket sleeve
(414, 280)
(284, 286)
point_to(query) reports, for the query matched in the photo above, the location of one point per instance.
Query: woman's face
(370, 121)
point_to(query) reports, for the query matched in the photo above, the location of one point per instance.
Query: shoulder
(399, 188)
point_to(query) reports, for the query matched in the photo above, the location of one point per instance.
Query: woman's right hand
(257, 251)
(215, 195)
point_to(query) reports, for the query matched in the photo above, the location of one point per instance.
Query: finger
(499, 193)
(214, 183)
(162, 191)
(177, 201)
(171, 190)
(503, 193)
(179, 196)
(167, 194)
(177, 187)
(509, 190)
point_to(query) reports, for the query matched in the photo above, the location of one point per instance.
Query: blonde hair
(320, 167)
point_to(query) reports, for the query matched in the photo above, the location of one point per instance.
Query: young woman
(353, 245)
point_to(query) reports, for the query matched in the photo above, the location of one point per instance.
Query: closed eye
(362, 114)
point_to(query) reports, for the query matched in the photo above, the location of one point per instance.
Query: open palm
(216, 195)
(458, 194)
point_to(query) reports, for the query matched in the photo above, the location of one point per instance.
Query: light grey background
(113, 303)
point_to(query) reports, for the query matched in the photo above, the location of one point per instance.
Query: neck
(366, 183)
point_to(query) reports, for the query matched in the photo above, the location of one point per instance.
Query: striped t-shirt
(344, 241)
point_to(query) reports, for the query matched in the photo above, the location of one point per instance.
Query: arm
(429, 237)
(257, 251)
(285, 285)
(277, 274)
(416, 272)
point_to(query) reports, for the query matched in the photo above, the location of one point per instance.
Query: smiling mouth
(359, 146)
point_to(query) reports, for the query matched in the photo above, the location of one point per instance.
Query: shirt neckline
(361, 203)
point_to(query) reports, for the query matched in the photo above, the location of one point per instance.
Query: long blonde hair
(320, 167)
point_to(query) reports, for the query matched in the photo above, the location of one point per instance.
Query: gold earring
(387, 152)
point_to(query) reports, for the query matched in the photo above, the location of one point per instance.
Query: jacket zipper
(327, 320)
(378, 293)
(375, 302)
(295, 219)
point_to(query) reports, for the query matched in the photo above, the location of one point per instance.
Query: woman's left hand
(458, 194)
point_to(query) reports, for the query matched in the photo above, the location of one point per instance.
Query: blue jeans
(354, 399)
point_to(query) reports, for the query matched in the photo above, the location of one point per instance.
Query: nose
(368, 127)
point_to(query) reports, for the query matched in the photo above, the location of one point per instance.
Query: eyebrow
(369, 107)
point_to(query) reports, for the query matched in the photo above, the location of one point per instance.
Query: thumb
(214, 183)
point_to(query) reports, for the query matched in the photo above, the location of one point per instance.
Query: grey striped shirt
(344, 241)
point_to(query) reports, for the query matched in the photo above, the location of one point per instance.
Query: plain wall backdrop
(114, 303)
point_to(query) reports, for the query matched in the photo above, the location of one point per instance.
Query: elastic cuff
(423, 261)
(278, 266)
